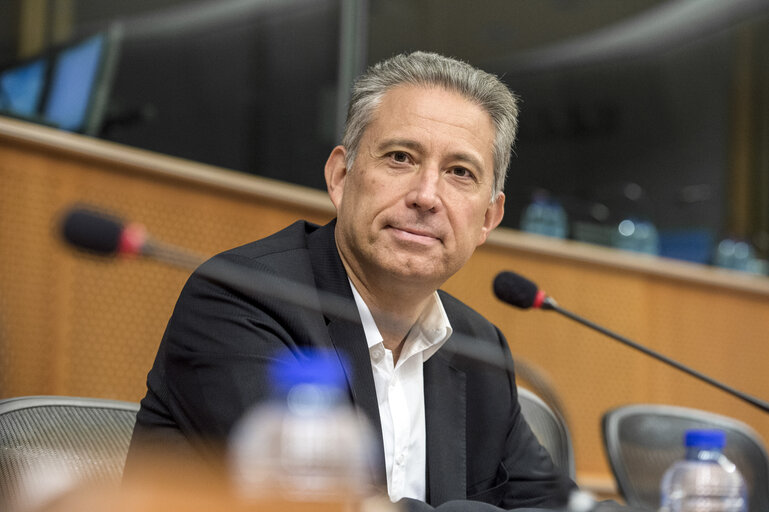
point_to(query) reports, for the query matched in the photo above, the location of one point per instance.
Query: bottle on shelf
(637, 236)
(705, 481)
(545, 216)
(735, 254)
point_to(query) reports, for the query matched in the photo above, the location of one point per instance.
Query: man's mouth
(416, 235)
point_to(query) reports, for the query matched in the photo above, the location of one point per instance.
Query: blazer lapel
(445, 415)
(348, 338)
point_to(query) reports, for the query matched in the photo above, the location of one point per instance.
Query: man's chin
(416, 270)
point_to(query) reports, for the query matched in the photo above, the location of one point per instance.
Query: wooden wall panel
(79, 325)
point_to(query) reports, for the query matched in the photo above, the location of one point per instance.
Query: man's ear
(494, 214)
(336, 172)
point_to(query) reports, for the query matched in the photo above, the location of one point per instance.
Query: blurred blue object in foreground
(308, 443)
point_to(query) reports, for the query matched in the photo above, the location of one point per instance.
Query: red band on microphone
(539, 299)
(132, 239)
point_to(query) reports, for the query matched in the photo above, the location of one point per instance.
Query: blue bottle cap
(705, 439)
(321, 367)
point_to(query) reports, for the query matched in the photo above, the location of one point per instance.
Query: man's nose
(424, 192)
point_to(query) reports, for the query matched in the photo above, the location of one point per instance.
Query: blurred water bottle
(309, 444)
(545, 217)
(706, 481)
(636, 235)
(734, 254)
(725, 253)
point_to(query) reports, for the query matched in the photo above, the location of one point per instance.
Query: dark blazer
(212, 361)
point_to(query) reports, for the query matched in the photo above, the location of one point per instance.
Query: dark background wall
(253, 92)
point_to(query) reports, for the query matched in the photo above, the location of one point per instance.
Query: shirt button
(377, 353)
(400, 459)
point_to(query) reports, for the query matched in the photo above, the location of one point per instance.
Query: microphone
(518, 291)
(96, 232)
(102, 234)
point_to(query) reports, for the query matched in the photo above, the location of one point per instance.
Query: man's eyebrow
(412, 144)
(405, 143)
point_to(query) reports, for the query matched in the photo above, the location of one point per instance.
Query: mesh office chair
(550, 429)
(642, 441)
(46, 437)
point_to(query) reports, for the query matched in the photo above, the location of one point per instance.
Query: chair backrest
(550, 428)
(82, 438)
(643, 440)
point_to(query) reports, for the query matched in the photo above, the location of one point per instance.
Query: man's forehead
(392, 106)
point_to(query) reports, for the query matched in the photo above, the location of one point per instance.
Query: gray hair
(431, 69)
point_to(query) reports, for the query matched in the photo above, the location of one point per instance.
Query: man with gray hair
(417, 185)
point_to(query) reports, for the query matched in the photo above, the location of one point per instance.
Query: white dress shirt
(400, 395)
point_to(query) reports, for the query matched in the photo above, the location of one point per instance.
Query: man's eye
(399, 156)
(461, 172)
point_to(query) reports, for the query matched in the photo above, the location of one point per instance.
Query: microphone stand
(551, 305)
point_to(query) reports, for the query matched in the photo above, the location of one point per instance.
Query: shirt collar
(428, 334)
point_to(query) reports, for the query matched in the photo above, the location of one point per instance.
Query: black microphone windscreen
(91, 230)
(515, 290)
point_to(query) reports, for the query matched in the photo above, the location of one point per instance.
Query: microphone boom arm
(550, 304)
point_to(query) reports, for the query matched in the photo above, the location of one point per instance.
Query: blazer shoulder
(282, 255)
(290, 238)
